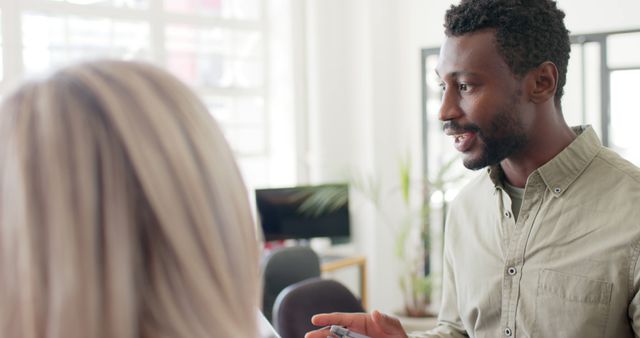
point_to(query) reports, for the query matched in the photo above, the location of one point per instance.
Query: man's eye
(463, 87)
(442, 86)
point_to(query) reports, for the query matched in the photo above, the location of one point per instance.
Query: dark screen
(304, 212)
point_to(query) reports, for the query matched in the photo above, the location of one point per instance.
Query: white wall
(363, 96)
(591, 16)
(363, 101)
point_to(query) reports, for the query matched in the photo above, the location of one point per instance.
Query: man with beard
(545, 242)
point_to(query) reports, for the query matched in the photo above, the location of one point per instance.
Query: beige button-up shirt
(567, 268)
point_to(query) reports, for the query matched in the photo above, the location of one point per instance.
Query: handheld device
(345, 333)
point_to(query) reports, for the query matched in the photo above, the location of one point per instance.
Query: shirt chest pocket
(571, 306)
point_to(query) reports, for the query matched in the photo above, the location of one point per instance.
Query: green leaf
(422, 285)
(405, 179)
(322, 199)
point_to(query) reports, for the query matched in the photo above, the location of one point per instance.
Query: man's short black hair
(528, 32)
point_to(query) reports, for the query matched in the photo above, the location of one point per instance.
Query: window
(52, 40)
(600, 83)
(218, 47)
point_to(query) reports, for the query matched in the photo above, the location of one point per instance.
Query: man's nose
(450, 108)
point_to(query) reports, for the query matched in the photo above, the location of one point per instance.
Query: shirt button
(507, 214)
(512, 271)
(557, 190)
(507, 332)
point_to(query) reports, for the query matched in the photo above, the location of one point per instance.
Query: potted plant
(410, 231)
(410, 228)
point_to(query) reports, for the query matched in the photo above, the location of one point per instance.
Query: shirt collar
(562, 170)
(559, 173)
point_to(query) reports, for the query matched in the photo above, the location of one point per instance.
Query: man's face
(482, 103)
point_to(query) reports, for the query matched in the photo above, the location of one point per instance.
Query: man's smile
(463, 141)
(463, 138)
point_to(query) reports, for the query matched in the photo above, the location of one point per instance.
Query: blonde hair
(122, 212)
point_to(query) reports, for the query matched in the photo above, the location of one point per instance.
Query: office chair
(297, 303)
(284, 267)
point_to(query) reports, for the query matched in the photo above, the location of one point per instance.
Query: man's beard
(503, 138)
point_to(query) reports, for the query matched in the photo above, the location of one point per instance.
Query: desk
(330, 264)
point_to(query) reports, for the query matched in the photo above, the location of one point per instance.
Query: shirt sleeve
(449, 322)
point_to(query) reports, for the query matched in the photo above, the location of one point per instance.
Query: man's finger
(320, 333)
(336, 318)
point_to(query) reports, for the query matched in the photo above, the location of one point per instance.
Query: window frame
(158, 19)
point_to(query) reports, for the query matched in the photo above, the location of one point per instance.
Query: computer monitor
(304, 212)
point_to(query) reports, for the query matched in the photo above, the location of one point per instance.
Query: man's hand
(374, 325)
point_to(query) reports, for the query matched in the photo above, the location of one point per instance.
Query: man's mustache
(457, 128)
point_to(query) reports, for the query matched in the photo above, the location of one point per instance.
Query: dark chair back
(297, 303)
(284, 267)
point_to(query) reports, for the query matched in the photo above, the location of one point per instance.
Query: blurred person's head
(122, 212)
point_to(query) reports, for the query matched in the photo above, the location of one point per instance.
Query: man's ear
(543, 82)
